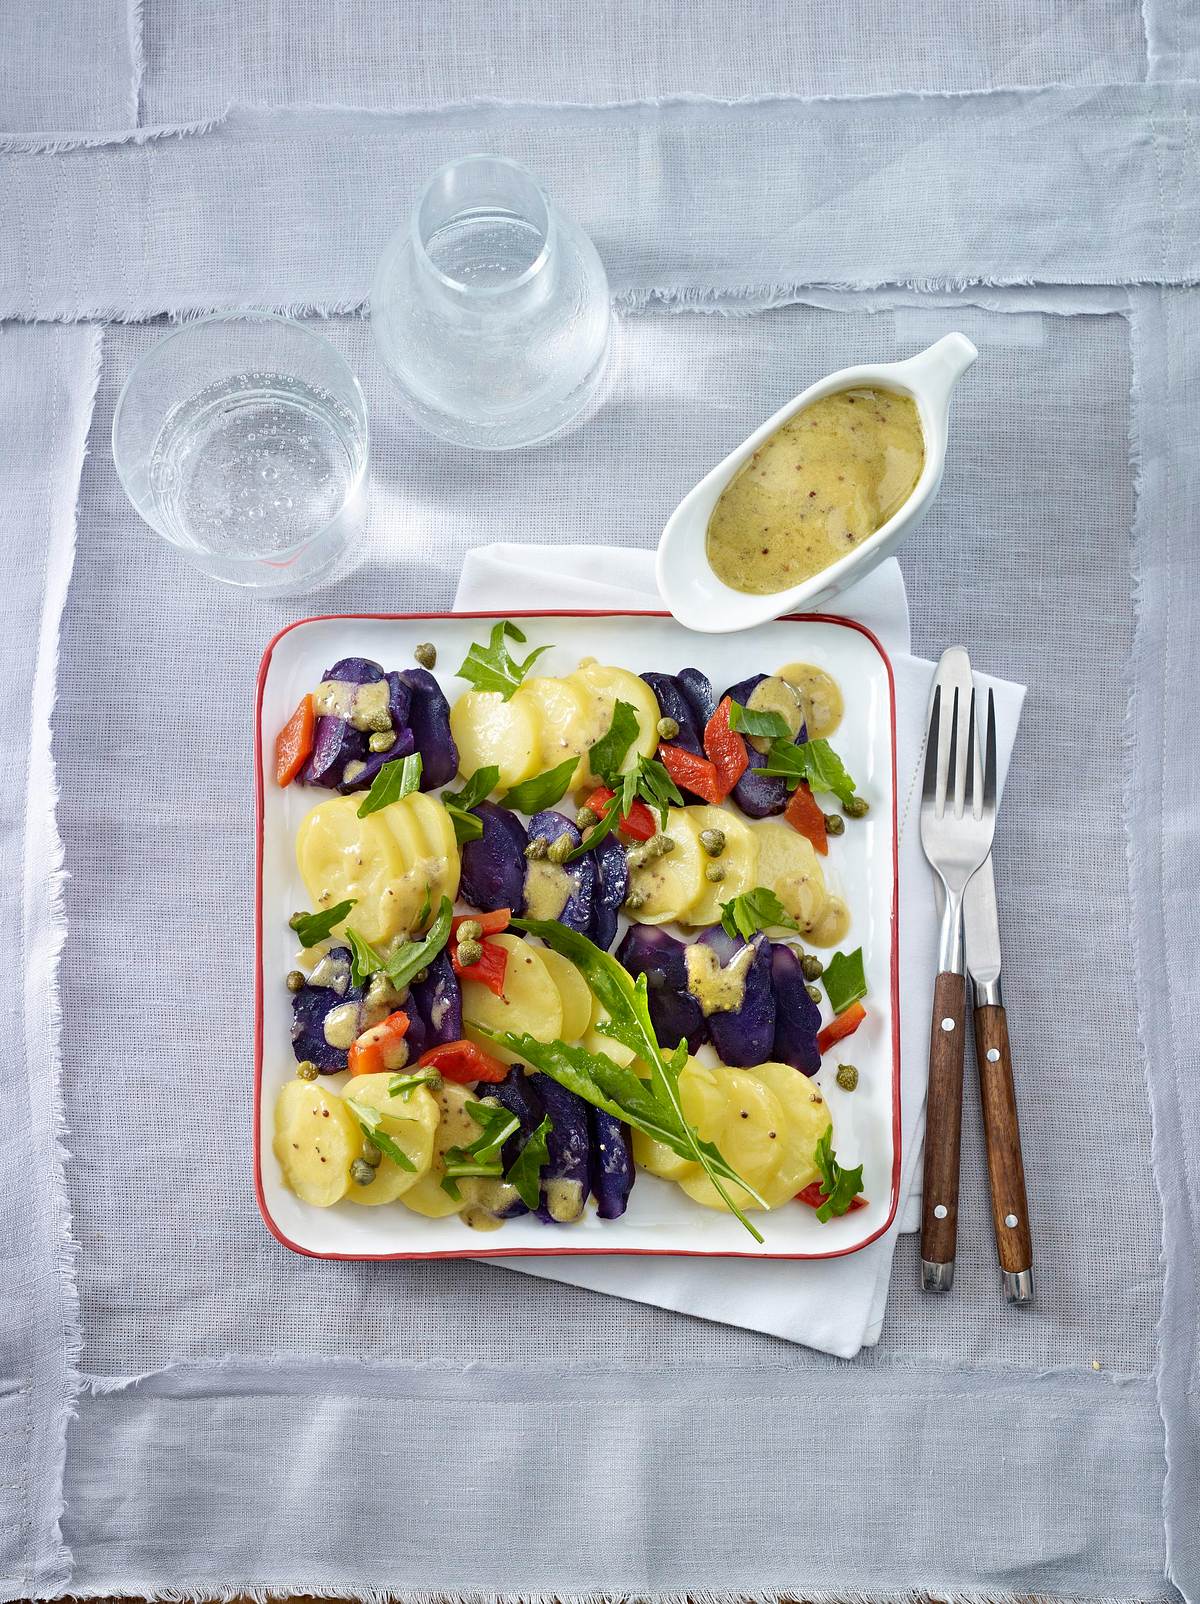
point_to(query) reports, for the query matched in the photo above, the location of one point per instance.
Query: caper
(295, 980)
(668, 729)
(585, 819)
(307, 1070)
(847, 1077)
(470, 930)
(425, 654)
(362, 1172)
(371, 1154)
(660, 845)
(834, 824)
(713, 842)
(714, 872)
(537, 848)
(381, 723)
(469, 952)
(635, 900)
(382, 740)
(814, 992)
(812, 966)
(560, 849)
(433, 1081)
(857, 808)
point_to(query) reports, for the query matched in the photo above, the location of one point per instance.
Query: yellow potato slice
(441, 844)
(739, 861)
(752, 1138)
(820, 693)
(573, 992)
(316, 1141)
(563, 715)
(673, 884)
(341, 856)
(806, 1119)
(703, 1104)
(531, 1002)
(410, 1121)
(490, 730)
(775, 695)
(455, 1128)
(833, 926)
(603, 687)
(788, 866)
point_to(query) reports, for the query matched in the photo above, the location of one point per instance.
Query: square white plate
(862, 866)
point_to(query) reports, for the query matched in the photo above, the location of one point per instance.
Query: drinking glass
(491, 309)
(242, 439)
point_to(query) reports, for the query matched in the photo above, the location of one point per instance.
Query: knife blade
(982, 955)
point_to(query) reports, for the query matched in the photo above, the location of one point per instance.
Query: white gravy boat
(699, 600)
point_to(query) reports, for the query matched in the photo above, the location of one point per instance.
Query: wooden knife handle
(1010, 1211)
(943, 1127)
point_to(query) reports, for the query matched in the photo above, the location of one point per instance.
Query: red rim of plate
(558, 1250)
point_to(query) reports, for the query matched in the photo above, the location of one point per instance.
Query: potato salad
(564, 932)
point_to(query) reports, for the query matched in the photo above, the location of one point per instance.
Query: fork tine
(970, 761)
(953, 789)
(989, 764)
(929, 783)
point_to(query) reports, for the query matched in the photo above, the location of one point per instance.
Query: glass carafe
(491, 309)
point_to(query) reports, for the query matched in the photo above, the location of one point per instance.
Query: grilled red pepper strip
(490, 969)
(638, 823)
(490, 924)
(463, 1062)
(814, 1197)
(294, 743)
(378, 1049)
(692, 773)
(726, 748)
(842, 1025)
(803, 813)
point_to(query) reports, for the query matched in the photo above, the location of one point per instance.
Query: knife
(981, 941)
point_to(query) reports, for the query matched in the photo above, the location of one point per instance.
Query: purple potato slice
(356, 671)
(612, 887)
(675, 1014)
(612, 1171)
(335, 744)
(760, 795)
(672, 703)
(576, 912)
(438, 1001)
(697, 687)
(311, 1005)
(744, 1035)
(493, 868)
(375, 761)
(517, 1094)
(797, 1017)
(566, 1182)
(429, 719)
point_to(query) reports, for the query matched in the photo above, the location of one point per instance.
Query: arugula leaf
(525, 1172)
(814, 761)
(458, 804)
(365, 960)
(608, 753)
(313, 927)
(491, 668)
(543, 790)
(650, 781)
(752, 911)
(652, 1106)
(840, 1186)
(844, 979)
(371, 1121)
(409, 959)
(405, 1085)
(750, 721)
(394, 780)
(482, 1157)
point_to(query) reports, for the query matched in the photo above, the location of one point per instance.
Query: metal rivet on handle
(1010, 1220)
(940, 1212)
(993, 1055)
(947, 1024)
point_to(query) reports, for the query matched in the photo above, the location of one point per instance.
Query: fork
(958, 819)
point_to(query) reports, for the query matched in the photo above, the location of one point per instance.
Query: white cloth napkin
(835, 1304)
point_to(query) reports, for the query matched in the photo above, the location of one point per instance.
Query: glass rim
(456, 285)
(250, 315)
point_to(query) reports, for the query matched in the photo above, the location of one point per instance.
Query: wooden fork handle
(943, 1129)
(1010, 1211)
